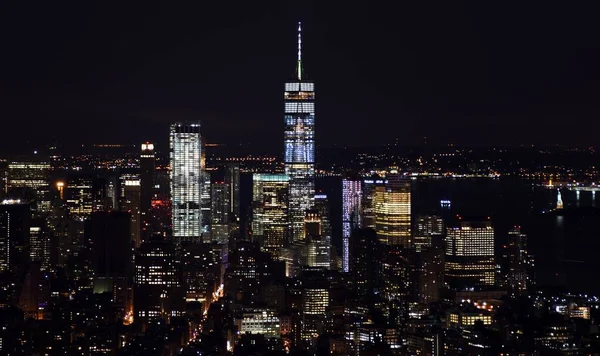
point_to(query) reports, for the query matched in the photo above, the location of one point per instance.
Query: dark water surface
(566, 244)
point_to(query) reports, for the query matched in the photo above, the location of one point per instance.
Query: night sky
(119, 72)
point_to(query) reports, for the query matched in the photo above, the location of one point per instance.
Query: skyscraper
(131, 204)
(351, 207)
(232, 178)
(393, 212)
(470, 255)
(219, 227)
(28, 179)
(185, 147)
(299, 145)
(427, 227)
(270, 211)
(147, 168)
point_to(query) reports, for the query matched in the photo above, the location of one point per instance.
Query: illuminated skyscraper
(470, 255)
(270, 211)
(219, 227)
(427, 227)
(351, 207)
(185, 147)
(393, 212)
(299, 145)
(28, 179)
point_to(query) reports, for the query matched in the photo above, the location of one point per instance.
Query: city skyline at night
(195, 198)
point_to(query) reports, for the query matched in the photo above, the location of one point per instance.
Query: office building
(15, 221)
(220, 212)
(186, 182)
(520, 262)
(270, 223)
(232, 178)
(109, 235)
(317, 246)
(157, 281)
(131, 203)
(470, 259)
(147, 169)
(40, 244)
(367, 213)
(366, 261)
(79, 196)
(393, 212)
(427, 228)
(299, 143)
(28, 178)
(351, 209)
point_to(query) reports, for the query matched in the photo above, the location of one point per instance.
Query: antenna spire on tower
(299, 50)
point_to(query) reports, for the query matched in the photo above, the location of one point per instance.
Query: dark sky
(471, 73)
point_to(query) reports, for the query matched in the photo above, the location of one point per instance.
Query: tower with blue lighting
(299, 141)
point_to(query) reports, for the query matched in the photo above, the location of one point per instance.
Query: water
(565, 245)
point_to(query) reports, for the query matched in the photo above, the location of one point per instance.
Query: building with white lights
(470, 259)
(185, 156)
(299, 141)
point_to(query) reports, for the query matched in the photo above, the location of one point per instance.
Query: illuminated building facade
(393, 212)
(470, 259)
(79, 196)
(299, 143)
(367, 213)
(185, 155)
(318, 248)
(270, 222)
(351, 208)
(263, 321)
(427, 228)
(39, 245)
(156, 280)
(28, 179)
(220, 209)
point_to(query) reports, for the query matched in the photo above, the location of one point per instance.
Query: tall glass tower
(185, 147)
(299, 141)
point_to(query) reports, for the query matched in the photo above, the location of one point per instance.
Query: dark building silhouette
(111, 252)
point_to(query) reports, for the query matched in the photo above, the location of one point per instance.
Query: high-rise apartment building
(351, 208)
(470, 259)
(270, 223)
(186, 173)
(299, 143)
(393, 212)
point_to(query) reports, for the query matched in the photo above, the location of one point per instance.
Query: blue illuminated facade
(299, 141)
